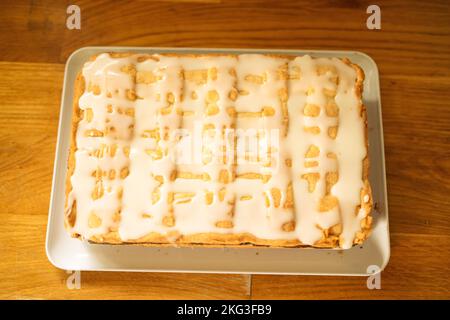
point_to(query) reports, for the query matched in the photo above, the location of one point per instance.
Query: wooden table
(412, 50)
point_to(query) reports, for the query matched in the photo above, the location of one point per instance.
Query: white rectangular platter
(71, 254)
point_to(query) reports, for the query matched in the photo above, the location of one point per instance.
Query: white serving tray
(71, 254)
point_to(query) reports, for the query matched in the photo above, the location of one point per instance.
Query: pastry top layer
(272, 149)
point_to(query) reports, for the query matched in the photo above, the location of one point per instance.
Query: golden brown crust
(366, 224)
(216, 239)
(79, 88)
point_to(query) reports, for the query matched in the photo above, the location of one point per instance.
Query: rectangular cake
(219, 150)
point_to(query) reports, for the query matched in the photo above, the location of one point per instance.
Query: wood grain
(412, 52)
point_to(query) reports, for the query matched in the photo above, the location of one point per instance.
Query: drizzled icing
(140, 169)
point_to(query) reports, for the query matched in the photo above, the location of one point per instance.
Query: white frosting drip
(204, 200)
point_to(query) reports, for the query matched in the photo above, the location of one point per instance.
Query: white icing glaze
(250, 204)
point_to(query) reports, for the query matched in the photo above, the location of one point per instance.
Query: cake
(219, 150)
